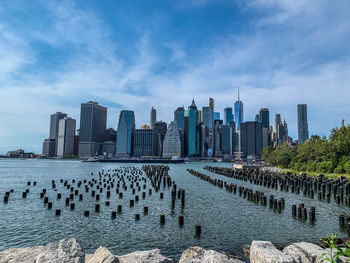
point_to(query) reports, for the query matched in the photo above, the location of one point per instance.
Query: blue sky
(138, 54)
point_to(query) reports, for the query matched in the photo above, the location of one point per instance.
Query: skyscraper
(264, 117)
(66, 136)
(93, 119)
(278, 128)
(153, 117)
(54, 123)
(207, 116)
(251, 138)
(238, 113)
(125, 133)
(179, 118)
(160, 127)
(146, 143)
(228, 116)
(192, 131)
(303, 129)
(172, 145)
(216, 116)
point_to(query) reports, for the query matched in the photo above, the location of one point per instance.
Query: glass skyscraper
(264, 118)
(238, 114)
(192, 131)
(216, 116)
(303, 129)
(179, 118)
(228, 116)
(93, 120)
(125, 133)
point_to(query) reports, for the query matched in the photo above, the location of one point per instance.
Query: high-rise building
(216, 116)
(146, 143)
(50, 148)
(251, 138)
(227, 138)
(207, 116)
(93, 120)
(179, 118)
(160, 127)
(257, 118)
(278, 129)
(192, 131)
(228, 116)
(172, 144)
(125, 133)
(264, 117)
(153, 117)
(111, 135)
(303, 129)
(238, 113)
(66, 137)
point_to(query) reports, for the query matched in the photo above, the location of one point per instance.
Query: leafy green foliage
(335, 252)
(318, 154)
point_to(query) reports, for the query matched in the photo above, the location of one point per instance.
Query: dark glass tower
(303, 129)
(238, 113)
(125, 133)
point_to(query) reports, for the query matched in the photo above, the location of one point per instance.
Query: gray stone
(149, 256)
(304, 252)
(266, 252)
(102, 255)
(20, 255)
(65, 251)
(200, 255)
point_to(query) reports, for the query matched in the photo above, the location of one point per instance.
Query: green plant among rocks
(335, 252)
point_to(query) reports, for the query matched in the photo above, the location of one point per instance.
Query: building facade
(192, 131)
(66, 137)
(251, 138)
(125, 133)
(146, 143)
(228, 115)
(264, 117)
(153, 117)
(173, 143)
(303, 127)
(49, 147)
(160, 127)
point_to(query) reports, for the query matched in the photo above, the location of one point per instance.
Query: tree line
(318, 154)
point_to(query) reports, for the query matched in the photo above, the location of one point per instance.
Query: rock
(266, 252)
(149, 256)
(20, 255)
(102, 255)
(65, 251)
(304, 252)
(200, 255)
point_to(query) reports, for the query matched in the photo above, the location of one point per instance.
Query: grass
(313, 174)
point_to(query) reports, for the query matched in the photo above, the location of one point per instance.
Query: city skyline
(57, 55)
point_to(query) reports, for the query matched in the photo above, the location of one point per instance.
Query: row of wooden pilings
(318, 186)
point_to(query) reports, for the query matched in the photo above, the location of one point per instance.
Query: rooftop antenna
(238, 94)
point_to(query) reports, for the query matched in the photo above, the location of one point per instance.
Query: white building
(172, 142)
(66, 134)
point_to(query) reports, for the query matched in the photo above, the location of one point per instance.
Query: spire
(238, 94)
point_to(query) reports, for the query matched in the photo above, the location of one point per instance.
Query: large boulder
(200, 255)
(20, 255)
(266, 252)
(102, 255)
(304, 252)
(65, 251)
(149, 256)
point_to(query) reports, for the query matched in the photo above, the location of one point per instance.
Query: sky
(133, 55)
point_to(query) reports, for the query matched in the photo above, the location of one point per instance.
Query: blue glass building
(179, 118)
(125, 133)
(264, 118)
(228, 116)
(192, 131)
(238, 114)
(216, 116)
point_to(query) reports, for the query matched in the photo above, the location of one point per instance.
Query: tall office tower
(227, 138)
(53, 138)
(303, 128)
(228, 116)
(172, 144)
(93, 120)
(251, 138)
(49, 146)
(192, 131)
(153, 117)
(160, 127)
(66, 137)
(146, 143)
(265, 137)
(109, 145)
(238, 113)
(125, 133)
(278, 128)
(180, 119)
(285, 137)
(207, 116)
(264, 117)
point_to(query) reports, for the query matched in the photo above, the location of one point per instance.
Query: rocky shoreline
(70, 251)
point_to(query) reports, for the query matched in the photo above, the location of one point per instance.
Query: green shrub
(347, 167)
(339, 169)
(325, 167)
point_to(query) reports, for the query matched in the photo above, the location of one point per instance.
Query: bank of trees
(318, 154)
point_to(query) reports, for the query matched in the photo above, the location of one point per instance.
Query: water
(227, 220)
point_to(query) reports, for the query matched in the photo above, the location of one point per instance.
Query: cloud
(294, 52)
